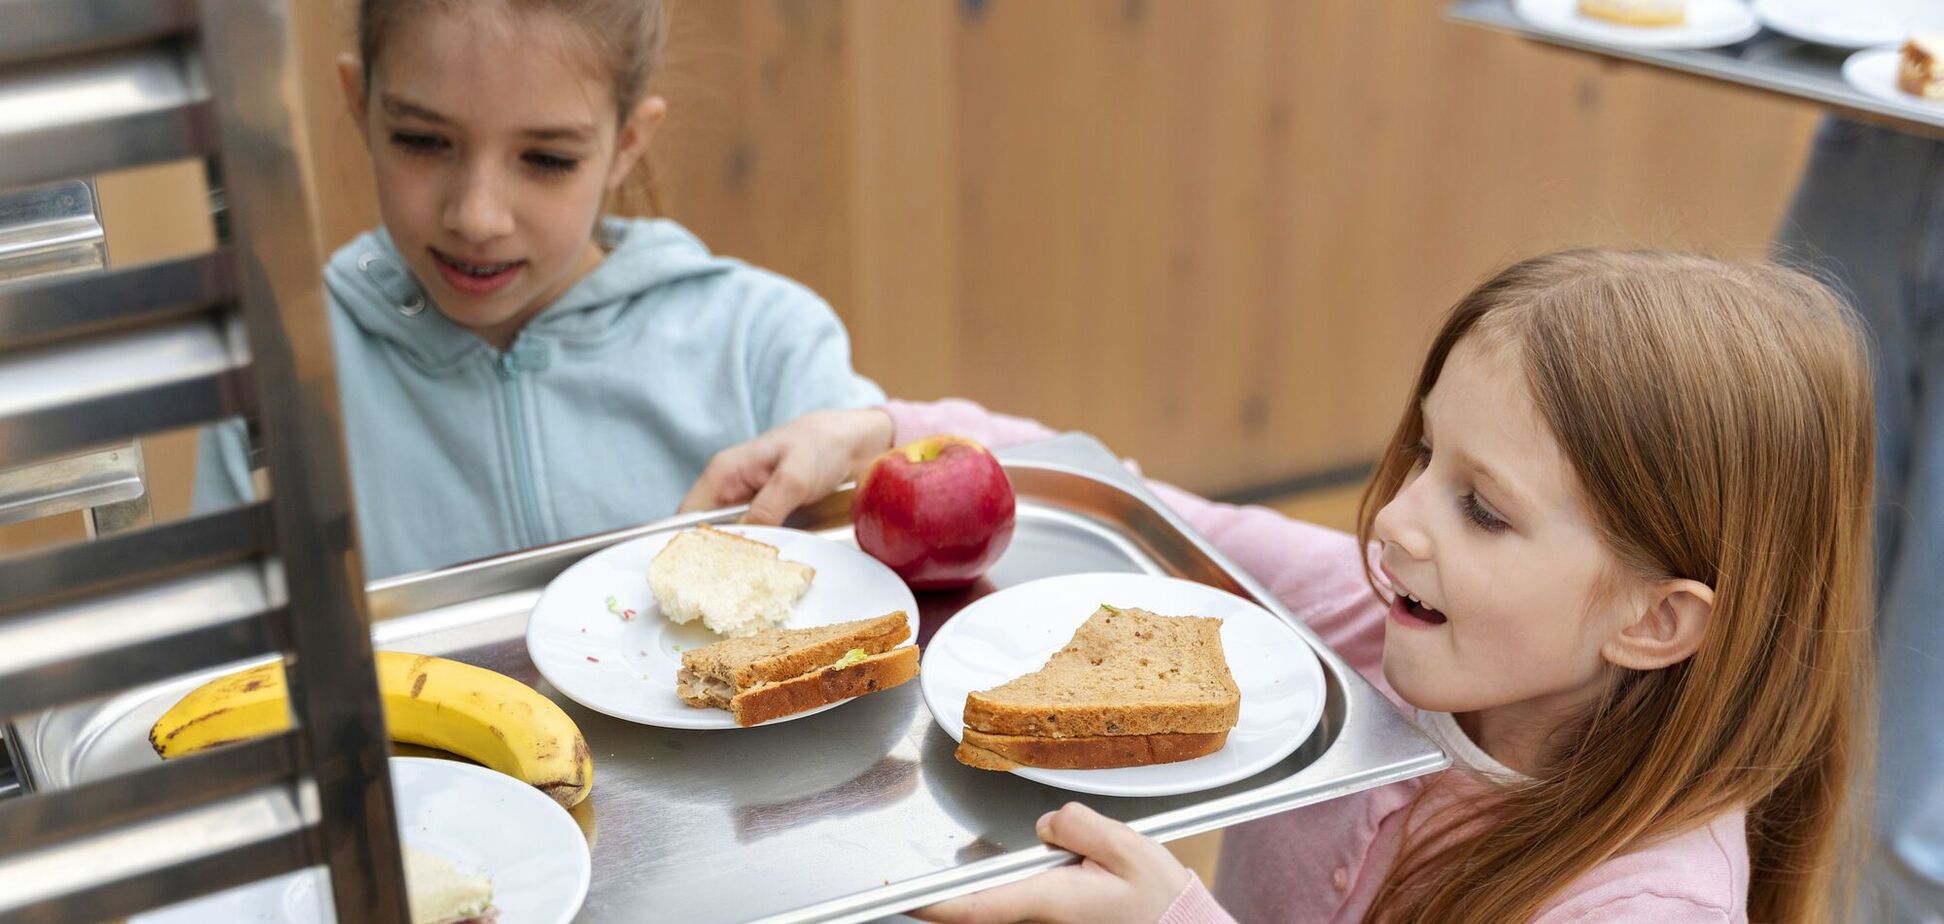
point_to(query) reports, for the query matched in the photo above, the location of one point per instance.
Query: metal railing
(88, 86)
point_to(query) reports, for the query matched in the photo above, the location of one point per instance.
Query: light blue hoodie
(600, 415)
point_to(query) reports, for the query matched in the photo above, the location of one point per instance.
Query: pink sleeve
(958, 416)
(1195, 906)
(1314, 571)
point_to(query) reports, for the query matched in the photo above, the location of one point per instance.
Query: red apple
(938, 511)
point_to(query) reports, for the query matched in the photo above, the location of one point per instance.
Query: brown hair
(627, 37)
(1718, 419)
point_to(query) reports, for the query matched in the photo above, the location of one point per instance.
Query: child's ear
(351, 78)
(631, 144)
(1666, 630)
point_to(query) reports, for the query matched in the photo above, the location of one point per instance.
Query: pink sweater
(1325, 862)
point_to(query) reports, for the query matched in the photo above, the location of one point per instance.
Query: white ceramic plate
(1874, 71)
(480, 820)
(1841, 23)
(1014, 631)
(626, 668)
(1710, 23)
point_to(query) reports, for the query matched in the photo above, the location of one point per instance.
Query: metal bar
(129, 799)
(76, 650)
(45, 28)
(36, 314)
(251, 51)
(122, 516)
(188, 853)
(69, 397)
(52, 230)
(113, 563)
(60, 486)
(78, 117)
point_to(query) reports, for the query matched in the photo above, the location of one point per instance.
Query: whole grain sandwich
(779, 672)
(1131, 688)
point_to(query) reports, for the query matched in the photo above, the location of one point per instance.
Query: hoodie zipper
(522, 356)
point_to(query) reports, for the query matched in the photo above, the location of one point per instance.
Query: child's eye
(418, 144)
(1481, 517)
(551, 163)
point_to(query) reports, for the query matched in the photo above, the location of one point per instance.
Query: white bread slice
(736, 586)
(439, 894)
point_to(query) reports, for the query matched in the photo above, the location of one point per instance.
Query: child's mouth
(475, 277)
(1412, 613)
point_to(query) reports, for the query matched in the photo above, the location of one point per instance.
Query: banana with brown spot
(436, 702)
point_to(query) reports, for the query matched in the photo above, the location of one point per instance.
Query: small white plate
(1874, 71)
(1014, 631)
(1840, 23)
(1710, 24)
(626, 668)
(479, 820)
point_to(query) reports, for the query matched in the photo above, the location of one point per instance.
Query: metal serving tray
(852, 814)
(1770, 61)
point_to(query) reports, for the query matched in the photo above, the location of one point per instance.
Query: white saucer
(1840, 23)
(1874, 71)
(479, 820)
(1710, 24)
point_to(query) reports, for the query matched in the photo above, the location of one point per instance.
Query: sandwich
(1636, 12)
(736, 586)
(1920, 72)
(779, 672)
(1132, 688)
(440, 894)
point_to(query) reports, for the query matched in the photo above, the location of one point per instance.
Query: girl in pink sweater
(1616, 560)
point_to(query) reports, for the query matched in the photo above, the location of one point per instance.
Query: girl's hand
(797, 463)
(1123, 878)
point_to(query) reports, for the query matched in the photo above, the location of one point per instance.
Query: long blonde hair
(1718, 419)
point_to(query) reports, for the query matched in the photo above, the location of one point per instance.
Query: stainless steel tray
(1770, 61)
(852, 814)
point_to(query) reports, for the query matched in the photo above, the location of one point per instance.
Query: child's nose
(1398, 524)
(477, 213)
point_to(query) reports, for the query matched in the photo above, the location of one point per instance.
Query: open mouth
(475, 277)
(1415, 609)
(1407, 608)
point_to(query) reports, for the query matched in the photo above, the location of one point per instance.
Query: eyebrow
(402, 108)
(1518, 499)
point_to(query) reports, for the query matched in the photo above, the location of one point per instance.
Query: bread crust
(1004, 752)
(786, 697)
(725, 660)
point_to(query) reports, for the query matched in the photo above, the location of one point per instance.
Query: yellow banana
(471, 711)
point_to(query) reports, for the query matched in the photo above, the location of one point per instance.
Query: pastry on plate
(734, 585)
(1636, 12)
(1921, 70)
(440, 894)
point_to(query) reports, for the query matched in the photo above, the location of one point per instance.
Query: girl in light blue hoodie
(515, 369)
